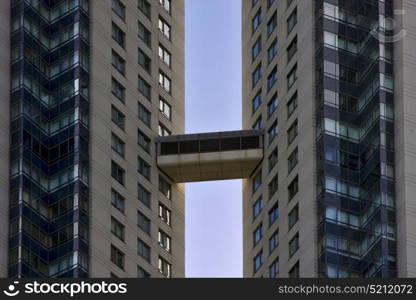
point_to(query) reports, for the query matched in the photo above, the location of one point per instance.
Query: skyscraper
(330, 82)
(91, 84)
(93, 155)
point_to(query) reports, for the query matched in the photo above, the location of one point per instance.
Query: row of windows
(144, 60)
(146, 36)
(272, 22)
(118, 229)
(144, 196)
(144, 87)
(143, 168)
(144, 115)
(118, 258)
(294, 272)
(273, 184)
(274, 211)
(118, 173)
(272, 132)
(118, 145)
(272, 76)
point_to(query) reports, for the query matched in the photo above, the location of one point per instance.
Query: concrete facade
(405, 136)
(102, 127)
(151, 239)
(280, 186)
(306, 256)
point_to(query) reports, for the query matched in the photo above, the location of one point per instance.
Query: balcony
(210, 156)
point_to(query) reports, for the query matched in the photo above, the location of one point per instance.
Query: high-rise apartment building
(330, 83)
(93, 155)
(90, 85)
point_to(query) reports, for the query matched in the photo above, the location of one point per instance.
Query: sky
(213, 103)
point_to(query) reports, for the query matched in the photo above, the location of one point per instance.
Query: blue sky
(213, 103)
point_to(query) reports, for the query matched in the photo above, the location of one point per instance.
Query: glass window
(256, 48)
(272, 78)
(292, 160)
(386, 82)
(292, 132)
(257, 207)
(119, 8)
(294, 245)
(165, 188)
(166, 4)
(117, 200)
(256, 20)
(258, 234)
(293, 216)
(164, 55)
(144, 141)
(292, 105)
(144, 195)
(292, 77)
(117, 172)
(273, 242)
(258, 124)
(272, 105)
(118, 90)
(274, 269)
(164, 267)
(273, 158)
(117, 228)
(256, 101)
(272, 51)
(164, 240)
(164, 214)
(165, 82)
(118, 145)
(272, 132)
(271, 25)
(293, 188)
(273, 186)
(144, 114)
(257, 181)
(164, 28)
(143, 250)
(292, 49)
(145, 35)
(256, 75)
(294, 272)
(118, 118)
(117, 257)
(292, 20)
(118, 35)
(258, 261)
(163, 131)
(145, 61)
(141, 273)
(143, 167)
(118, 62)
(165, 108)
(145, 8)
(143, 222)
(273, 214)
(144, 88)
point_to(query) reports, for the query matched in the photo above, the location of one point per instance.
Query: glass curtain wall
(48, 234)
(354, 74)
